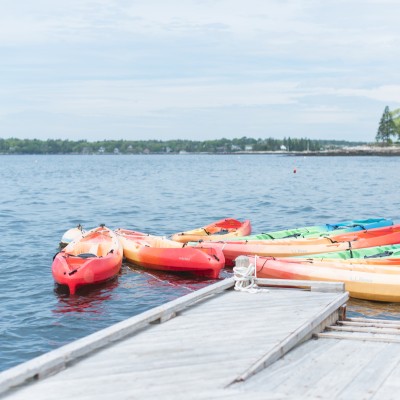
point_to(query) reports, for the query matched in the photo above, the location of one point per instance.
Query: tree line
(219, 146)
(388, 132)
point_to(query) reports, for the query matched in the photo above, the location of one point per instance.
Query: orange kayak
(93, 258)
(366, 234)
(278, 249)
(158, 253)
(369, 281)
(218, 230)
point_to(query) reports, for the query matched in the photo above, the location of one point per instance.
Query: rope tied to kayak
(245, 275)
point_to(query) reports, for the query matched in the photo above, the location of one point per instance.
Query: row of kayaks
(364, 254)
(94, 256)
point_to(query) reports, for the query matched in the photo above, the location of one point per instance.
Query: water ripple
(47, 195)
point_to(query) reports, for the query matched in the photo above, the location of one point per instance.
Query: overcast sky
(197, 69)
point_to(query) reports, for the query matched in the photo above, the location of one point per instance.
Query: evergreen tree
(396, 119)
(387, 127)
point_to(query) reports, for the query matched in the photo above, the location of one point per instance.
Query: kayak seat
(380, 255)
(221, 232)
(86, 255)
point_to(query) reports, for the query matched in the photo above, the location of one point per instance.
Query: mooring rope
(245, 275)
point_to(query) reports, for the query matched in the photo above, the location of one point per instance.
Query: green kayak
(389, 251)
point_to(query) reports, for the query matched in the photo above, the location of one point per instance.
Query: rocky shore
(343, 151)
(355, 151)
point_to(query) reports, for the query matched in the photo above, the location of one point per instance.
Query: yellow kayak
(363, 280)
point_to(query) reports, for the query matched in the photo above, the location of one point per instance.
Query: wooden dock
(205, 345)
(354, 359)
(218, 343)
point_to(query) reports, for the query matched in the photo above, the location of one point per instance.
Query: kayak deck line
(218, 336)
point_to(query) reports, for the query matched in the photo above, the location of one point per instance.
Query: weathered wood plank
(366, 329)
(368, 320)
(369, 338)
(317, 369)
(369, 324)
(296, 370)
(350, 364)
(56, 360)
(293, 339)
(317, 286)
(211, 342)
(375, 372)
(390, 388)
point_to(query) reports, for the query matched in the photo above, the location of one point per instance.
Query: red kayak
(366, 234)
(158, 253)
(96, 257)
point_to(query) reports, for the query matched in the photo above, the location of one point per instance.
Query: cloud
(325, 115)
(117, 98)
(281, 63)
(386, 93)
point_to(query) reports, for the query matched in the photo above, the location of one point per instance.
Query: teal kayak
(322, 230)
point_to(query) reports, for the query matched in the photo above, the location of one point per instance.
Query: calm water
(43, 196)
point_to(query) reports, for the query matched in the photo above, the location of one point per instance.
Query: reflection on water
(183, 282)
(373, 309)
(87, 298)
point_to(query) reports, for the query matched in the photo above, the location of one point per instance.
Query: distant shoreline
(347, 151)
(340, 152)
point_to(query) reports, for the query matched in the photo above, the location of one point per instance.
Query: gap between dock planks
(364, 329)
